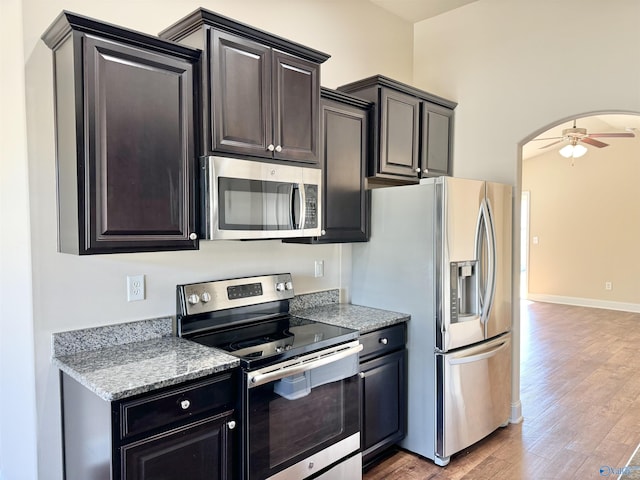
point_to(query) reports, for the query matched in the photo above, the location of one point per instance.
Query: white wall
(516, 67)
(17, 382)
(72, 292)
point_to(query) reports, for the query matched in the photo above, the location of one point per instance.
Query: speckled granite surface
(74, 341)
(120, 371)
(364, 319)
(122, 360)
(316, 299)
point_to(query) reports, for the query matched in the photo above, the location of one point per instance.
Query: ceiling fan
(575, 135)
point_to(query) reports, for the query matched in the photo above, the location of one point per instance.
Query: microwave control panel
(311, 204)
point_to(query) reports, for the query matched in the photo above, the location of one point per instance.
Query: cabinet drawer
(176, 405)
(382, 341)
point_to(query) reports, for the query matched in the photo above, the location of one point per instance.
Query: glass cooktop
(272, 341)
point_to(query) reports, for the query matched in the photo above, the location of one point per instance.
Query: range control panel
(195, 298)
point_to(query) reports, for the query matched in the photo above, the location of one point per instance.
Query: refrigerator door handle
(492, 263)
(480, 356)
(478, 244)
(487, 268)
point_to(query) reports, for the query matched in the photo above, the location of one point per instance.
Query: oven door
(303, 414)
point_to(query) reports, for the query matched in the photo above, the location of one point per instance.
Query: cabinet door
(399, 133)
(139, 164)
(296, 100)
(344, 153)
(199, 451)
(384, 403)
(437, 130)
(240, 95)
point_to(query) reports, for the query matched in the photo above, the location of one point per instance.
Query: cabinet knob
(361, 374)
(185, 404)
(417, 170)
(193, 236)
(323, 232)
(271, 148)
(384, 340)
(231, 425)
(278, 148)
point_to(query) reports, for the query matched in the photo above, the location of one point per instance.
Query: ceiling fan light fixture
(574, 151)
(579, 150)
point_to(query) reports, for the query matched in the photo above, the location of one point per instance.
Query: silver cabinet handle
(231, 425)
(384, 340)
(417, 170)
(185, 404)
(193, 236)
(271, 148)
(278, 149)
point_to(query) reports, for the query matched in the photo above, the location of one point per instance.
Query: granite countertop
(122, 360)
(120, 371)
(363, 319)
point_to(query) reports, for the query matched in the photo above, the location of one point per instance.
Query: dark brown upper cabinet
(344, 151)
(261, 93)
(412, 131)
(125, 138)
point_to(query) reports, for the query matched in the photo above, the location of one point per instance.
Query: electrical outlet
(608, 286)
(135, 288)
(319, 268)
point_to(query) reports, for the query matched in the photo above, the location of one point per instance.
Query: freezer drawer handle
(480, 356)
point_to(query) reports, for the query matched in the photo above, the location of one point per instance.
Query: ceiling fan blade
(613, 135)
(552, 143)
(595, 143)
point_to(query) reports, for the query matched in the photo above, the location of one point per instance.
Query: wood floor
(580, 392)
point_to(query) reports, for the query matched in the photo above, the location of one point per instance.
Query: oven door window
(246, 204)
(297, 416)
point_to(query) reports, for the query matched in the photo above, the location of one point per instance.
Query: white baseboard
(585, 302)
(516, 412)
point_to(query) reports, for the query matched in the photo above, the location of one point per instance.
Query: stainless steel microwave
(245, 199)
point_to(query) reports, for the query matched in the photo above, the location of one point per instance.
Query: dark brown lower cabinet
(185, 431)
(197, 451)
(383, 364)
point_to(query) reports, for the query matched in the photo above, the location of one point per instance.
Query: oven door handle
(257, 379)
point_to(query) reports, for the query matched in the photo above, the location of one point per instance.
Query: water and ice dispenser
(464, 291)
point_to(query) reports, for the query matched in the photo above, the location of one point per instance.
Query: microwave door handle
(292, 206)
(302, 197)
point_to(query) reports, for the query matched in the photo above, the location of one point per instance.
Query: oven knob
(279, 349)
(193, 299)
(205, 297)
(280, 286)
(288, 286)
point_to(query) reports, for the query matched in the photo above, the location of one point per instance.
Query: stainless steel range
(300, 391)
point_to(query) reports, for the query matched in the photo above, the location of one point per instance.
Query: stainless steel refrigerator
(441, 251)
